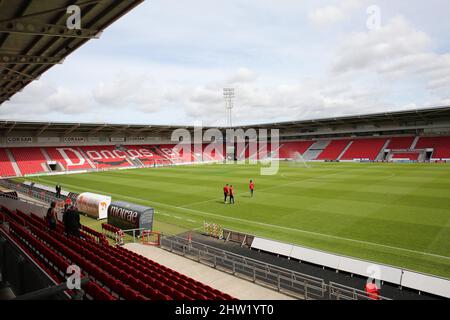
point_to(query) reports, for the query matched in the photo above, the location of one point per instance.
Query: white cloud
(283, 67)
(327, 15)
(68, 102)
(258, 102)
(395, 41)
(396, 51)
(41, 99)
(132, 90)
(332, 14)
(243, 75)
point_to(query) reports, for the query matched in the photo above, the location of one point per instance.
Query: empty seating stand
(291, 148)
(146, 154)
(441, 146)
(400, 143)
(106, 156)
(213, 153)
(175, 153)
(115, 273)
(6, 168)
(71, 158)
(29, 160)
(367, 149)
(333, 150)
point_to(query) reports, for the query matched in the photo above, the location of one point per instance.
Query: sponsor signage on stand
(74, 139)
(19, 140)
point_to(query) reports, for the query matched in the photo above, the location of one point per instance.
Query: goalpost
(399, 155)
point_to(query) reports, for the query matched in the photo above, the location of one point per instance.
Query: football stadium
(349, 207)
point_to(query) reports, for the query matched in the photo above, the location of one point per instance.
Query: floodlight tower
(228, 95)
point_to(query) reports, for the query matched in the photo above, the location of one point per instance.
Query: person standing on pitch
(251, 187)
(225, 193)
(231, 193)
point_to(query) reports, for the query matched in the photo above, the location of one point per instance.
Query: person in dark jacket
(71, 219)
(67, 204)
(52, 216)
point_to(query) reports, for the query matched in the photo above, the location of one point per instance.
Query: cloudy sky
(167, 61)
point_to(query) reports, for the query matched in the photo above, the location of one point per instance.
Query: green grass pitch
(397, 214)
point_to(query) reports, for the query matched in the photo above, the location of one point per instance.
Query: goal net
(406, 155)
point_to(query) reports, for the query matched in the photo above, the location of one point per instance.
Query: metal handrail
(289, 281)
(29, 191)
(231, 254)
(33, 202)
(134, 232)
(340, 291)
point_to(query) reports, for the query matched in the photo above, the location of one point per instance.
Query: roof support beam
(118, 130)
(72, 129)
(98, 129)
(3, 124)
(20, 73)
(421, 116)
(43, 29)
(41, 130)
(25, 59)
(13, 125)
(389, 116)
(9, 90)
(59, 9)
(141, 129)
(11, 77)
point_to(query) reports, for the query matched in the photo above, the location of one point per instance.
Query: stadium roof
(66, 128)
(34, 35)
(419, 117)
(408, 116)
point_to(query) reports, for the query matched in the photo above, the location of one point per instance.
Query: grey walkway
(236, 287)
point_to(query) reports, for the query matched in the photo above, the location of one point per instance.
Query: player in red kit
(231, 192)
(251, 187)
(226, 189)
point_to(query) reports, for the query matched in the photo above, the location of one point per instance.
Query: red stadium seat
(29, 160)
(6, 168)
(364, 149)
(333, 150)
(400, 143)
(289, 149)
(440, 145)
(126, 274)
